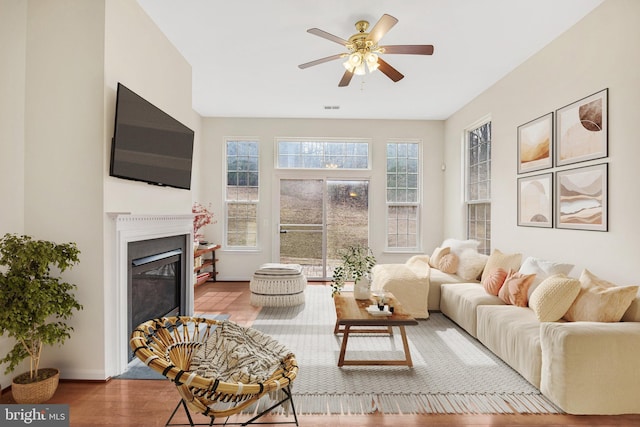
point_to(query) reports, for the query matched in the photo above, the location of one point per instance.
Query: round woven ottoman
(278, 285)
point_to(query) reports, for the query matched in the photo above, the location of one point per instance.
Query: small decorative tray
(375, 311)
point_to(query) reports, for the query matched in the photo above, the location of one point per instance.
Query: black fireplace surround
(157, 279)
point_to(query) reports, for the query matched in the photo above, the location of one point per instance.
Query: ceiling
(245, 53)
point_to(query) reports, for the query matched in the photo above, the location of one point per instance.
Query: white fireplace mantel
(133, 228)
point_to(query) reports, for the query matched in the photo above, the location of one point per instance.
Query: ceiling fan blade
(321, 33)
(389, 71)
(412, 49)
(381, 28)
(346, 79)
(320, 61)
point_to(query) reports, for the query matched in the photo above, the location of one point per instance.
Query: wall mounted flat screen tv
(148, 144)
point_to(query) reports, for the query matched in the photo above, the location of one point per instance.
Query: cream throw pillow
(457, 246)
(553, 297)
(498, 259)
(542, 269)
(470, 264)
(599, 300)
(437, 255)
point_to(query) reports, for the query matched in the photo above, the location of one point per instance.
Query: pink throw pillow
(494, 280)
(449, 264)
(515, 288)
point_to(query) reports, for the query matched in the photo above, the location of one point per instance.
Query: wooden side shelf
(206, 269)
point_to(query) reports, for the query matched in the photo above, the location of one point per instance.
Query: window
(403, 195)
(323, 154)
(478, 179)
(242, 194)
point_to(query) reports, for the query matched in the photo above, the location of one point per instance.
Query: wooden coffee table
(352, 315)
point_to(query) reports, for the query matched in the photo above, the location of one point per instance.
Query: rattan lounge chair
(168, 345)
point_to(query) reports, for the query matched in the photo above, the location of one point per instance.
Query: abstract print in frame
(535, 201)
(582, 198)
(535, 144)
(582, 129)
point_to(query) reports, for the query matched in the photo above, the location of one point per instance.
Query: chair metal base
(287, 392)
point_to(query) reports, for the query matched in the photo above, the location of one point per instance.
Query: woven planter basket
(38, 392)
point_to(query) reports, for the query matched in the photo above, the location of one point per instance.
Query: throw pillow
(457, 246)
(515, 287)
(470, 264)
(437, 255)
(493, 281)
(498, 259)
(542, 269)
(599, 300)
(553, 297)
(449, 264)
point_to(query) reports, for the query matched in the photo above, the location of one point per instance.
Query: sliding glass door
(318, 217)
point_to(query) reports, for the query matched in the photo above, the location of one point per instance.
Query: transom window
(242, 194)
(323, 154)
(403, 195)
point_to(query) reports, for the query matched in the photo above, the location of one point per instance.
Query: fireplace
(148, 241)
(157, 279)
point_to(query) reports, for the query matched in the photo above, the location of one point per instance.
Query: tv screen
(148, 144)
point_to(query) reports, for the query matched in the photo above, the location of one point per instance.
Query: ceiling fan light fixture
(360, 70)
(355, 59)
(372, 61)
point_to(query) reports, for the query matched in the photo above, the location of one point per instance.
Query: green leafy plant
(357, 262)
(34, 302)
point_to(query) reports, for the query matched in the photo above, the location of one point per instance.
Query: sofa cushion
(449, 264)
(437, 255)
(498, 259)
(458, 301)
(600, 300)
(493, 281)
(542, 269)
(513, 334)
(553, 297)
(470, 264)
(515, 287)
(436, 279)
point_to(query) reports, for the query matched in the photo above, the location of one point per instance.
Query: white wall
(240, 266)
(13, 20)
(12, 68)
(65, 58)
(139, 56)
(598, 52)
(63, 156)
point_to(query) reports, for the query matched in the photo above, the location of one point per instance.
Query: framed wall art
(535, 201)
(582, 198)
(535, 144)
(581, 129)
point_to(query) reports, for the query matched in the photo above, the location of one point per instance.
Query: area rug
(137, 370)
(452, 372)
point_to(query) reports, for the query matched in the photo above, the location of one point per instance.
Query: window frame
(475, 203)
(327, 142)
(228, 202)
(417, 204)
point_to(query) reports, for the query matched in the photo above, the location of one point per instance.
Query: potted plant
(35, 304)
(357, 262)
(202, 216)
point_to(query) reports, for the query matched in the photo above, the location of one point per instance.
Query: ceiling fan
(364, 52)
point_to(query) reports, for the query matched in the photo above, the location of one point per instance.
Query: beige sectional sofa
(584, 367)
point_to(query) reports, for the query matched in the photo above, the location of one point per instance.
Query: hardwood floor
(150, 402)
